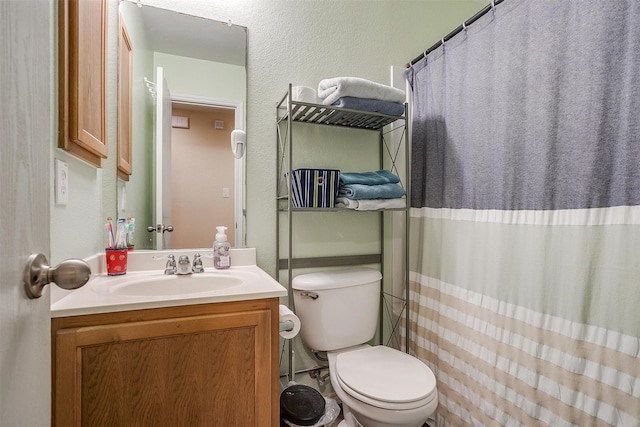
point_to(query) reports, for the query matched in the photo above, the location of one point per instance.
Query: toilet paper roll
(303, 94)
(287, 315)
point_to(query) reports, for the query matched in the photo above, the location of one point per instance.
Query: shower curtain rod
(449, 36)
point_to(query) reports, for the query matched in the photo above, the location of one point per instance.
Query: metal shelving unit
(290, 112)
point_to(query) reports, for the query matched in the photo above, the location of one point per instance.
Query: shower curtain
(525, 216)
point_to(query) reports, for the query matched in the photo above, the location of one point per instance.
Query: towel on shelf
(363, 191)
(371, 105)
(371, 204)
(369, 178)
(330, 90)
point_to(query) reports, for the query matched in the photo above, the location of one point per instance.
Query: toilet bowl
(377, 385)
(382, 387)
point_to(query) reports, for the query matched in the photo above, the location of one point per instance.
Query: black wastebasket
(301, 405)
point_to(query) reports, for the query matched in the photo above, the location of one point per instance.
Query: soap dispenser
(221, 250)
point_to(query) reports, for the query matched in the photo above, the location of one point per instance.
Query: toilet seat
(386, 378)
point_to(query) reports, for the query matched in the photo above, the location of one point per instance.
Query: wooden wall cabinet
(201, 365)
(82, 41)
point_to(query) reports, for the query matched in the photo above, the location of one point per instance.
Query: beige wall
(201, 167)
(302, 42)
(289, 41)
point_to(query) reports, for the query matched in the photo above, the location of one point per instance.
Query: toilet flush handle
(309, 294)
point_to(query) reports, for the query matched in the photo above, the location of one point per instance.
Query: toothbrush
(109, 227)
(130, 229)
(120, 234)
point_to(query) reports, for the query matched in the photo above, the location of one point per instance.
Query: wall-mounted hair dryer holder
(238, 143)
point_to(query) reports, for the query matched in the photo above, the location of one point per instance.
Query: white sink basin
(169, 285)
(146, 287)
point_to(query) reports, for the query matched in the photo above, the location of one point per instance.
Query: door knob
(160, 228)
(69, 274)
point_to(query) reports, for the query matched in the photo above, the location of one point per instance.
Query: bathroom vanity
(198, 359)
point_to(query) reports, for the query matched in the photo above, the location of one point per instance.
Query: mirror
(204, 65)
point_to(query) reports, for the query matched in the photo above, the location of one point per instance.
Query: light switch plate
(61, 182)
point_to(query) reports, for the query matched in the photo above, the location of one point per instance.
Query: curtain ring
(464, 26)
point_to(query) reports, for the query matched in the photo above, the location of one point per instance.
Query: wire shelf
(304, 112)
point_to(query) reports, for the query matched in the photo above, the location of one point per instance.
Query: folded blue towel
(369, 178)
(374, 105)
(362, 191)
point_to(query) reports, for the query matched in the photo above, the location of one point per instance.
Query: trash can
(301, 405)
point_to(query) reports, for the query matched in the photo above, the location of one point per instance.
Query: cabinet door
(82, 33)
(210, 370)
(125, 64)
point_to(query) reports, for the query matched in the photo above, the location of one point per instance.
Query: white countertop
(97, 297)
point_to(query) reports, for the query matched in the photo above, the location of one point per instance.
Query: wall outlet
(62, 182)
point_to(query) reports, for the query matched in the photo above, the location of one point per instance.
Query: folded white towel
(370, 204)
(330, 90)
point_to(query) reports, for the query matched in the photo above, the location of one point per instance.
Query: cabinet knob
(69, 274)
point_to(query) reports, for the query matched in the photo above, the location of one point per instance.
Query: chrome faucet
(170, 268)
(184, 265)
(197, 264)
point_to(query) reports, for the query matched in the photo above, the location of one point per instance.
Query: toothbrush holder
(116, 261)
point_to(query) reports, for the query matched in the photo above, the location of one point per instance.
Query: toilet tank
(345, 312)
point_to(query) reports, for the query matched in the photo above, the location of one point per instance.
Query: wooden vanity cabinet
(198, 365)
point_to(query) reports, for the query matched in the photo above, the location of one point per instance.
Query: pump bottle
(221, 250)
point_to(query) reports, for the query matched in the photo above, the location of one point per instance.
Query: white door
(25, 149)
(163, 161)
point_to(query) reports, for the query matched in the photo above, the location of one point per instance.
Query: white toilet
(378, 386)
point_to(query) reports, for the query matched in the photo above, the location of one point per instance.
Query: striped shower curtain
(525, 217)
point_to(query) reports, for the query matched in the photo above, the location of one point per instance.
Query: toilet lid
(385, 375)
